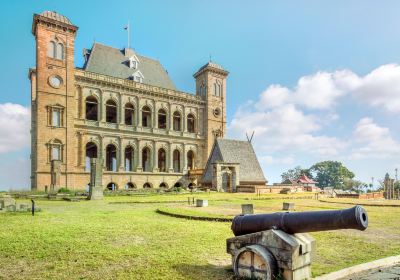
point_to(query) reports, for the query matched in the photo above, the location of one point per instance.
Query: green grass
(103, 240)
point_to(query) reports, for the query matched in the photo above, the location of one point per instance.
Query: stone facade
(134, 155)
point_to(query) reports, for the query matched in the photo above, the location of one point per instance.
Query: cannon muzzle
(298, 222)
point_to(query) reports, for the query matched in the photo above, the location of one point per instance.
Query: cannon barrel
(298, 222)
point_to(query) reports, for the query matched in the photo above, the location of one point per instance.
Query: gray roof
(56, 16)
(113, 62)
(235, 151)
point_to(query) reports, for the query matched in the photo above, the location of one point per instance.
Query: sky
(315, 80)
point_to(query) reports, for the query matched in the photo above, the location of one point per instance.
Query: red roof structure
(303, 179)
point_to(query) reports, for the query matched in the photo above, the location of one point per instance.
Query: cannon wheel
(255, 262)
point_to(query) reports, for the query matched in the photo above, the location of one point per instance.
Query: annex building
(121, 107)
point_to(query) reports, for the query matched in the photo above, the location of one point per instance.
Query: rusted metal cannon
(268, 245)
(298, 222)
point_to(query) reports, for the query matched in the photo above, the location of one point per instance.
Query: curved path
(392, 273)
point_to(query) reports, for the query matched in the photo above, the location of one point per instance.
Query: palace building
(121, 107)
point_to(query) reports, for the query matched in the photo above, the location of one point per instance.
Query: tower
(52, 98)
(211, 86)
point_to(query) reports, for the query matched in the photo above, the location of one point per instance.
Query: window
(91, 152)
(190, 123)
(177, 161)
(60, 51)
(51, 52)
(55, 50)
(146, 117)
(146, 159)
(162, 160)
(55, 81)
(217, 89)
(111, 158)
(56, 153)
(111, 111)
(129, 158)
(129, 114)
(138, 77)
(55, 150)
(91, 108)
(190, 160)
(162, 119)
(56, 117)
(177, 121)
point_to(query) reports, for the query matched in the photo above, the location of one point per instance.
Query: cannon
(299, 222)
(278, 246)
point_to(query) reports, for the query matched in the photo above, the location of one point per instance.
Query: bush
(65, 190)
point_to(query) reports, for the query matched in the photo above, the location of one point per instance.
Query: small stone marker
(201, 202)
(247, 209)
(288, 206)
(96, 175)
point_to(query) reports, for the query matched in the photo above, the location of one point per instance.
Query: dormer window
(138, 77)
(133, 62)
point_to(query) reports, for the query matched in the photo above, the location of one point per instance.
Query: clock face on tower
(55, 81)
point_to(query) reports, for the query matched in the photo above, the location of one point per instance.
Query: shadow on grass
(208, 271)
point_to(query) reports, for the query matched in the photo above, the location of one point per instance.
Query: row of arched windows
(130, 186)
(111, 158)
(111, 115)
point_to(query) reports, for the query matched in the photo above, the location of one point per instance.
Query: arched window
(146, 117)
(51, 52)
(130, 186)
(111, 111)
(146, 186)
(129, 158)
(91, 152)
(162, 119)
(129, 114)
(111, 158)
(163, 185)
(177, 161)
(146, 159)
(190, 123)
(190, 160)
(217, 89)
(177, 121)
(60, 51)
(112, 186)
(91, 108)
(162, 160)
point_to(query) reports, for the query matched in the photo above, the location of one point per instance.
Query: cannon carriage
(270, 245)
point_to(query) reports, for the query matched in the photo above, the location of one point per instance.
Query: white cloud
(381, 88)
(373, 141)
(15, 127)
(284, 129)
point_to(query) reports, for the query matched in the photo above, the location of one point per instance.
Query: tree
(295, 173)
(354, 185)
(330, 174)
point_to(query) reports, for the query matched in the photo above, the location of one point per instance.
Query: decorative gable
(138, 76)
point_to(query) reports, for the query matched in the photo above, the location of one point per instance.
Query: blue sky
(316, 80)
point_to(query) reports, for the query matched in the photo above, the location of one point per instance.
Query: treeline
(332, 174)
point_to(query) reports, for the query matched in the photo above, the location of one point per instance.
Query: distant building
(121, 107)
(232, 164)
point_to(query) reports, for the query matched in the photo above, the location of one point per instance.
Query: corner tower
(211, 86)
(52, 91)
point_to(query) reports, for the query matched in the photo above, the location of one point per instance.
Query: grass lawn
(113, 240)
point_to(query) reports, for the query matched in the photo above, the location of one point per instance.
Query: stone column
(184, 149)
(170, 158)
(155, 157)
(121, 111)
(120, 156)
(101, 108)
(139, 167)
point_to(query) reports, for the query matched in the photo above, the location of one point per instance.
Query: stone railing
(132, 84)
